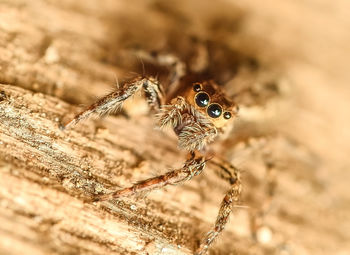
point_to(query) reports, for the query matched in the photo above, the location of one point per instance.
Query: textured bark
(55, 55)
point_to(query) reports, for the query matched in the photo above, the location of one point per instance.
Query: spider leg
(232, 197)
(192, 167)
(113, 101)
(176, 66)
(222, 168)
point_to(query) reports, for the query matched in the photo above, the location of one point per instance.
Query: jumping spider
(198, 112)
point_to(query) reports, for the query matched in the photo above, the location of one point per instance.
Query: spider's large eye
(214, 110)
(197, 87)
(202, 99)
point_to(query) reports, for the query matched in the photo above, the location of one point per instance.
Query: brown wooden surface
(57, 55)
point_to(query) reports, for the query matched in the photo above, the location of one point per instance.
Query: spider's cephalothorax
(198, 112)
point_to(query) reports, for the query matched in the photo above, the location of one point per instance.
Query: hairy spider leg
(191, 168)
(223, 169)
(114, 101)
(176, 67)
(232, 197)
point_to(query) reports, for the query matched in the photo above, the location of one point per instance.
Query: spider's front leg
(114, 101)
(192, 167)
(232, 174)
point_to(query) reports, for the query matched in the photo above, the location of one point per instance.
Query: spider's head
(211, 102)
(208, 111)
(198, 115)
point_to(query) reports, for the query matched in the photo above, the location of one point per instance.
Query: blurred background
(285, 62)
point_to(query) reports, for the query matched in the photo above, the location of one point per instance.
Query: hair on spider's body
(197, 112)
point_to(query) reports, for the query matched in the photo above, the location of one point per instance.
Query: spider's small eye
(227, 115)
(214, 110)
(202, 99)
(197, 87)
